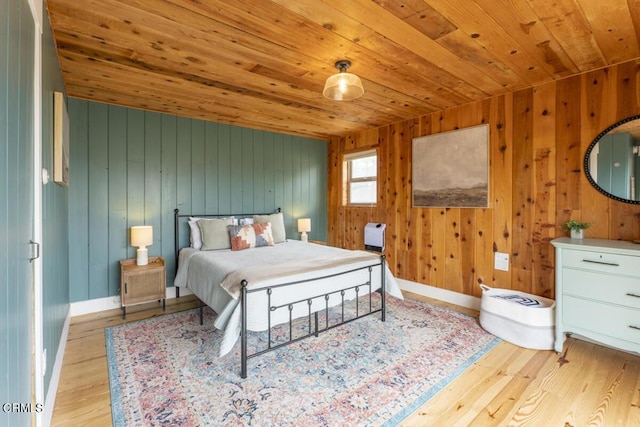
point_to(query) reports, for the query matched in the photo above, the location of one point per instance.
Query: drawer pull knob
(634, 327)
(633, 295)
(601, 262)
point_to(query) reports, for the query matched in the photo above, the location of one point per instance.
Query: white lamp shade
(343, 87)
(141, 235)
(304, 225)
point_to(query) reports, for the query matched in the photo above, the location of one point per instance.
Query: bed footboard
(313, 326)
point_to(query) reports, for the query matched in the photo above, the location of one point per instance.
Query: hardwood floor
(595, 386)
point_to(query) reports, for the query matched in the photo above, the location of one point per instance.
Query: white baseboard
(79, 308)
(451, 297)
(171, 292)
(50, 399)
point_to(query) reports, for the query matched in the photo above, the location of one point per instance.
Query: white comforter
(203, 272)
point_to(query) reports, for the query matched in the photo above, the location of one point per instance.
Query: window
(361, 178)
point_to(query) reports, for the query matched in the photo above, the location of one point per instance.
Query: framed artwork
(451, 169)
(60, 140)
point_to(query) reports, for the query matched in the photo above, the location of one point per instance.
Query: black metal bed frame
(313, 327)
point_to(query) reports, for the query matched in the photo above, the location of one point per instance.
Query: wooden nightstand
(141, 283)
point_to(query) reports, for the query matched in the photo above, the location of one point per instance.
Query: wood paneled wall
(132, 167)
(538, 140)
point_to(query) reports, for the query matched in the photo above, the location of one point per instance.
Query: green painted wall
(131, 167)
(16, 206)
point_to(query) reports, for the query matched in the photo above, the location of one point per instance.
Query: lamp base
(304, 237)
(143, 257)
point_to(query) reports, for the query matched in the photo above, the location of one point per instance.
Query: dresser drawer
(605, 319)
(602, 262)
(622, 290)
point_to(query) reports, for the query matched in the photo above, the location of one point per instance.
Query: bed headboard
(180, 220)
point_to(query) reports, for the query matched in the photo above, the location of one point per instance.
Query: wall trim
(445, 295)
(56, 370)
(38, 362)
(95, 305)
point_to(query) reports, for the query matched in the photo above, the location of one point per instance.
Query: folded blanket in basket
(519, 299)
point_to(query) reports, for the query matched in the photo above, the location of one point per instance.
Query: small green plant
(576, 225)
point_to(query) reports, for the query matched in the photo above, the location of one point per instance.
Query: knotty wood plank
(571, 30)
(521, 22)
(438, 248)
(481, 235)
(502, 185)
(334, 192)
(612, 28)
(598, 114)
(507, 54)
(522, 201)
(453, 251)
(544, 226)
(397, 208)
(421, 217)
(569, 153)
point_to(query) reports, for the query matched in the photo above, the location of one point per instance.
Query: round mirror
(612, 161)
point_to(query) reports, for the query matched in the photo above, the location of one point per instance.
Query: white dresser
(598, 292)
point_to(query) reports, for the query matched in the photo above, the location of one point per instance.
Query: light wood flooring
(509, 386)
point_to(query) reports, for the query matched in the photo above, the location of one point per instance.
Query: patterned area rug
(165, 370)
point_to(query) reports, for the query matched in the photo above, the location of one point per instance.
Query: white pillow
(277, 225)
(195, 238)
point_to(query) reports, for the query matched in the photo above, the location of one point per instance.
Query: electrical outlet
(501, 261)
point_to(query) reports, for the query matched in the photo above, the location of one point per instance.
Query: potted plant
(576, 228)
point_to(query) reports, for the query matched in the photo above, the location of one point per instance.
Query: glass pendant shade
(343, 86)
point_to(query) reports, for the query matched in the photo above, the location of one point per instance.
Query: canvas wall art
(60, 140)
(451, 169)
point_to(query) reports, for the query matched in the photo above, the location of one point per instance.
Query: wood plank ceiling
(262, 63)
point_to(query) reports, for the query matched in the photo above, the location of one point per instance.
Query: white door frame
(38, 334)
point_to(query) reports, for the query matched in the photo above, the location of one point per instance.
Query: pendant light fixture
(343, 86)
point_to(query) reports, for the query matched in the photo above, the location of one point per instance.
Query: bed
(303, 288)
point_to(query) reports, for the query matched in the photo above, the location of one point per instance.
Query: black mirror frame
(588, 154)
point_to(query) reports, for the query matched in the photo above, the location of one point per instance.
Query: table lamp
(142, 236)
(304, 226)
